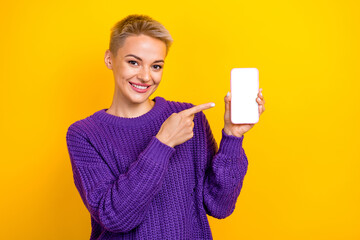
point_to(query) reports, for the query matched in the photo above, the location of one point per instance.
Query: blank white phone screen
(244, 89)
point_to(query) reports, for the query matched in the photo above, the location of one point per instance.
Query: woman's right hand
(178, 128)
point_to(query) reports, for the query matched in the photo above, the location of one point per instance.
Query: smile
(140, 88)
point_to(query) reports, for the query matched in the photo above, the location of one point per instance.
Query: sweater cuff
(231, 145)
(158, 150)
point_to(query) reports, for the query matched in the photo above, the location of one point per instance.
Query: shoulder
(82, 127)
(177, 106)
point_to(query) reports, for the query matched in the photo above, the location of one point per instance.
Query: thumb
(227, 100)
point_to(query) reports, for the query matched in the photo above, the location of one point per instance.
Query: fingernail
(212, 104)
(261, 94)
(228, 94)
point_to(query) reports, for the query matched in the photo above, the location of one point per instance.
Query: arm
(120, 203)
(225, 172)
(226, 168)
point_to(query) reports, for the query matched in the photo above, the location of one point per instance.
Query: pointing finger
(197, 108)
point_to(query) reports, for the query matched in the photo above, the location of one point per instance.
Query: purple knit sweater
(136, 187)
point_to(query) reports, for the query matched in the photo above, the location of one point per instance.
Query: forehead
(143, 46)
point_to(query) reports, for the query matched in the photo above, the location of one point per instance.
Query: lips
(138, 87)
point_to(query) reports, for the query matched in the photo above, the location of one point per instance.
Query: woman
(150, 168)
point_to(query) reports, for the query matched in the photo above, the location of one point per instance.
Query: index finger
(198, 108)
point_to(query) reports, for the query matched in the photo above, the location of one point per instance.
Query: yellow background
(303, 176)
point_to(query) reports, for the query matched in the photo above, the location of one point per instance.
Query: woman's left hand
(238, 130)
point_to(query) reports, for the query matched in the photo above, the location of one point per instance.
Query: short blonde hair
(136, 24)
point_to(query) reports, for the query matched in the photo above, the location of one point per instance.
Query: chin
(140, 98)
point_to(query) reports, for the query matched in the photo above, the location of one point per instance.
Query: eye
(132, 62)
(157, 67)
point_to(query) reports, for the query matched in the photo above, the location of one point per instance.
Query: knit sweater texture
(136, 187)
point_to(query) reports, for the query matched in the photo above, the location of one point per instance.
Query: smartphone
(244, 86)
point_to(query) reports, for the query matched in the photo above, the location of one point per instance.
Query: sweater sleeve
(224, 175)
(120, 203)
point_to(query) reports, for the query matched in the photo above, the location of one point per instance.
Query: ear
(108, 59)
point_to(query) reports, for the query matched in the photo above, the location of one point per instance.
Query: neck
(129, 110)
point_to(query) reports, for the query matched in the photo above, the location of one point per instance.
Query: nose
(144, 74)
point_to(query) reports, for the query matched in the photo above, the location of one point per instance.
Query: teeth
(139, 87)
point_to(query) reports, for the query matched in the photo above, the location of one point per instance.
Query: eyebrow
(132, 55)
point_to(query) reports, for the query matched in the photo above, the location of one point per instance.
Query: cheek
(157, 78)
(125, 72)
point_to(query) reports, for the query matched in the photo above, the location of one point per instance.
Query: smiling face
(137, 68)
